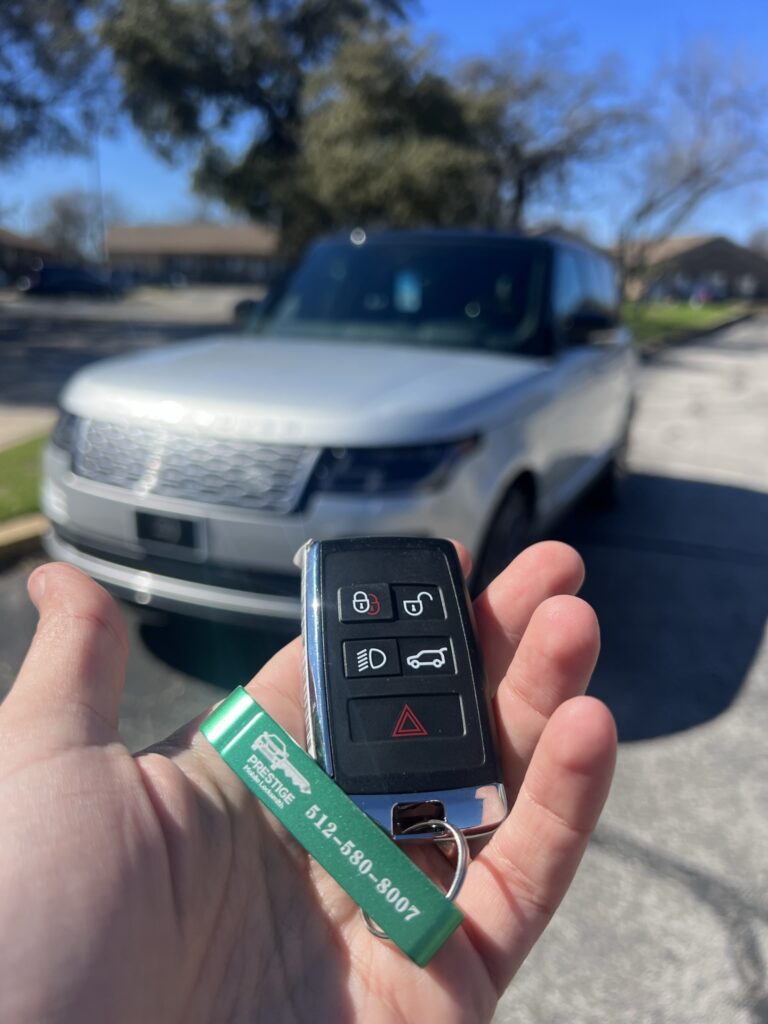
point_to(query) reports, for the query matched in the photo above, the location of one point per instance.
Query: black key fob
(397, 709)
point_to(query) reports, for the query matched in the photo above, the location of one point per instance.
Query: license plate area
(171, 535)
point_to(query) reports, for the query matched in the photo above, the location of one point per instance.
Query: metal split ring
(462, 862)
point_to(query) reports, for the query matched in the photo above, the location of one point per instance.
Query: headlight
(64, 432)
(388, 470)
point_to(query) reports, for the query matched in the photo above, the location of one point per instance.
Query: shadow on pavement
(214, 652)
(678, 575)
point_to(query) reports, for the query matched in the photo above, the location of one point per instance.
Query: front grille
(217, 471)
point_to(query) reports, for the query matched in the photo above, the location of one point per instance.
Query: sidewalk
(667, 920)
(22, 422)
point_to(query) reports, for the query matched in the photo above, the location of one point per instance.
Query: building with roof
(710, 265)
(19, 254)
(199, 252)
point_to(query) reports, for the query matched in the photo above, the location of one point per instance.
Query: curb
(21, 536)
(648, 351)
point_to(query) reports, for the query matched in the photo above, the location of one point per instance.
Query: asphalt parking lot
(667, 922)
(43, 341)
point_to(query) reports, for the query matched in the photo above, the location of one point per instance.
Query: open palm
(156, 888)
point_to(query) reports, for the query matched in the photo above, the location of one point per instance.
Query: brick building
(19, 254)
(678, 267)
(197, 252)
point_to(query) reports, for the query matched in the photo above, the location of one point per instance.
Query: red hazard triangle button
(408, 724)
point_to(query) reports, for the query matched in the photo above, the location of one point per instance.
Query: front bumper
(171, 593)
(243, 567)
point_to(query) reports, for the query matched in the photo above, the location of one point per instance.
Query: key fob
(396, 703)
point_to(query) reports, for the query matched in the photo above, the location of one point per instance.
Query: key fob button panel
(402, 706)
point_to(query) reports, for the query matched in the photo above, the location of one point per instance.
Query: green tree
(51, 76)
(222, 82)
(313, 114)
(386, 139)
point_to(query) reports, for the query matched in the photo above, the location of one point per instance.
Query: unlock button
(419, 602)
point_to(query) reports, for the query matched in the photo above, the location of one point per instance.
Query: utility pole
(101, 239)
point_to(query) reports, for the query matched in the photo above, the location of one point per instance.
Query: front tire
(507, 535)
(607, 489)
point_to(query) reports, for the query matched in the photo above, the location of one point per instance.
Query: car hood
(303, 392)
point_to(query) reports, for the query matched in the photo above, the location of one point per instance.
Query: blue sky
(639, 34)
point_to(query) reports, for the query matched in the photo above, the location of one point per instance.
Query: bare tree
(539, 120)
(70, 223)
(705, 134)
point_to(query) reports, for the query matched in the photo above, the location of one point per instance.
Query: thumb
(77, 659)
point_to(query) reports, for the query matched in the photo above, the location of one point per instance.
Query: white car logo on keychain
(276, 753)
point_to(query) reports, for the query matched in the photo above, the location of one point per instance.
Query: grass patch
(655, 321)
(20, 478)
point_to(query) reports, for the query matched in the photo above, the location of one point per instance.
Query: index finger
(506, 606)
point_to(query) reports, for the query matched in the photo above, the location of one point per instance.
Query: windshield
(462, 294)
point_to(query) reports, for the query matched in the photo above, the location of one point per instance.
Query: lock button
(365, 602)
(419, 602)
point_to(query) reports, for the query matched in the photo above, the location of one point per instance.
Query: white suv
(436, 383)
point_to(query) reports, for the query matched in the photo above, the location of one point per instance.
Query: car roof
(386, 237)
(68, 267)
(470, 236)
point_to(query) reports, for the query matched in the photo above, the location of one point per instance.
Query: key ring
(462, 862)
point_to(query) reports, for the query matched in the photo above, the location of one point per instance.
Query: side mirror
(585, 323)
(246, 310)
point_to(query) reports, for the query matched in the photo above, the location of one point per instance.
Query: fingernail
(36, 586)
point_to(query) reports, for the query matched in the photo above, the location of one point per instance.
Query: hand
(156, 888)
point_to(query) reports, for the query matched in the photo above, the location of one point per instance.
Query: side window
(568, 296)
(585, 282)
(611, 284)
(601, 286)
(590, 270)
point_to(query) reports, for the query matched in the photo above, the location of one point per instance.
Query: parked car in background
(62, 280)
(245, 310)
(439, 383)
